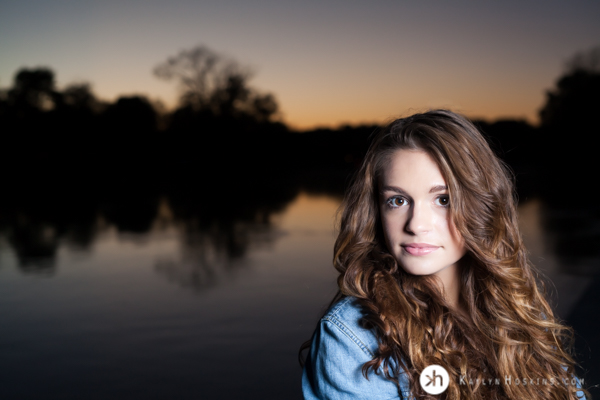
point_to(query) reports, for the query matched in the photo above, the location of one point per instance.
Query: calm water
(175, 313)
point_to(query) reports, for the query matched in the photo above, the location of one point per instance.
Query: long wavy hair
(512, 331)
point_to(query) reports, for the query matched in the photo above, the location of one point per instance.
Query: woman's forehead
(411, 168)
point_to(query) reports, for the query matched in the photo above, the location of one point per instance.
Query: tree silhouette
(131, 114)
(569, 127)
(569, 131)
(264, 107)
(585, 61)
(33, 89)
(26, 113)
(211, 83)
(79, 96)
(574, 101)
(200, 73)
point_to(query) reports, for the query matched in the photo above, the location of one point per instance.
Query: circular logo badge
(434, 379)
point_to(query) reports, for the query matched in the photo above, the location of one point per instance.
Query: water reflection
(219, 218)
(210, 252)
(216, 228)
(35, 244)
(564, 287)
(126, 298)
(573, 233)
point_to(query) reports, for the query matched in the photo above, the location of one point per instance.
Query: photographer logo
(434, 379)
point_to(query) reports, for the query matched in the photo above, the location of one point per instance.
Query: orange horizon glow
(310, 123)
(326, 64)
(303, 114)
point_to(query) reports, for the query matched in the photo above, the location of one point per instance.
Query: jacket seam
(331, 317)
(350, 334)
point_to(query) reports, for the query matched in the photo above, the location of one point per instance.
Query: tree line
(222, 120)
(222, 157)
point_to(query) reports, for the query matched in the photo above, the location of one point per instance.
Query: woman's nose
(420, 219)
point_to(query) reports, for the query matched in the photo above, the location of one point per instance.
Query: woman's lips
(419, 249)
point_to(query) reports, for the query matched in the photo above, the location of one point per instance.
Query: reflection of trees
(576, 233)
(221, 221)
(35, 245)
(36, 228)
(211, 254)
(133, 211)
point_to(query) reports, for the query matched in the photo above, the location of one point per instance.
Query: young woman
(433, 271)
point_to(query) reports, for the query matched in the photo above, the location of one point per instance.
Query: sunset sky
(327, 62)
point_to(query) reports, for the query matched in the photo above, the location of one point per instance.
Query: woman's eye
(396, 202)
(443, 201)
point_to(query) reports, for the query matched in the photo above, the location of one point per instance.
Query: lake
(185, 309)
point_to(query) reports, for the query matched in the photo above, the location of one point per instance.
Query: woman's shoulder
(348, 309)
(347, 316)
(341, 345)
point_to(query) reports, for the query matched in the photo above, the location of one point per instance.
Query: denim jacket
(340, 347)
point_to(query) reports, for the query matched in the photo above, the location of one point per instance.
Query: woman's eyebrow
(434, 189)
(438, 188)
(392, 189)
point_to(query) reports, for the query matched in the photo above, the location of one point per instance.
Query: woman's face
(414, 210)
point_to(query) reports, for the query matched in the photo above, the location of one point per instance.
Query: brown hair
(513, 332)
